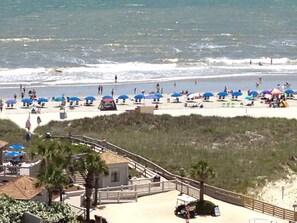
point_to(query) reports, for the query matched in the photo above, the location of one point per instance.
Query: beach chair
(232, 105)
(224, 105)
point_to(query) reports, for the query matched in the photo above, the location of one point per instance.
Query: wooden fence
(217, 193)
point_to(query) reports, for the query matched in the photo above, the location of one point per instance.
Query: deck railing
(217, 193)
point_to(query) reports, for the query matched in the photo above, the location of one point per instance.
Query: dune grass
(244, 152)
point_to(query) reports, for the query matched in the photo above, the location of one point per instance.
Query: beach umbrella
(208, 94)
(289, 91)
(10, 101)
(151, 96)
(41, 100)
(139, 96)
(266, 92)
(249, 97)
(13, 154)
(236, 93)
(90, 98)
(59, 99)
(275, 91)
(223, 93)
(159, 95)
(74, 98)
(27, 100)
(17, 147)
(254, 93)
(106, 97)
(176, 94)
(123, 97)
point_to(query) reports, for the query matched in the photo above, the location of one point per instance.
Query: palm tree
(93, 166)
(54, 160)
(202, 172)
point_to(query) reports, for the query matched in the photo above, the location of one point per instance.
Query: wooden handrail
(217, 193)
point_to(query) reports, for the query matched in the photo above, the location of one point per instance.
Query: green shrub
(205, 207)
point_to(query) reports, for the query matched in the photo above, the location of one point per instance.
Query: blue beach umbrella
(59, 99)
(27, 100)
(123, 97)
(207, 94)
(41, 100)
(13, 154)
(17, 147)
(254, 93)
(139, 96)
(249, 97)
(289, 91)
(236, 93)
(176, 95)
(159, 95)
(74, 98)
(223, 93)
(10, 101)
(107, 97)
(151, 96)
(266, 92)
(90, 98)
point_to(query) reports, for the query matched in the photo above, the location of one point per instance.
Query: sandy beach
(213, 107)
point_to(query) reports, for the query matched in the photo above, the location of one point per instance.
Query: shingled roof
(21, 188)
(113, 158)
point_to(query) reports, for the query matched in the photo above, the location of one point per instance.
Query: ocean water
(83, 43)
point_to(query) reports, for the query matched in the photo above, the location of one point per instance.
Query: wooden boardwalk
(186, 185)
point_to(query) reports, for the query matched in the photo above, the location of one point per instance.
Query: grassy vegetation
(244, 152)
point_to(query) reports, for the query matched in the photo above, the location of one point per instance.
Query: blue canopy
(254, 93)
(59, 99)
(151, 96)
(40, 100)
(236, 93)
(176, 94)
(289, 91)
(139, 96)
(123, 97)
(74, 98)
(159, 95)
(10, 101)
(266, 92)
(90, 98)
(208, 94)
(17, 147)
(249, 97)
(13, 154)
(223, 93)
(27, 100)
(107, 97)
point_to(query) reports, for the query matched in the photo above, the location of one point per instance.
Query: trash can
(63, 115)
(156, 180)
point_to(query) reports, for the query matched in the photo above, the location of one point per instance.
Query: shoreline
(191, 85)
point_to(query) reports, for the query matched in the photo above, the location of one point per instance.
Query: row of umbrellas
(156, 96)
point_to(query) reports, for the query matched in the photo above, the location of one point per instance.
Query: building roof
(113, 158)
(21, 188)
(3, 143)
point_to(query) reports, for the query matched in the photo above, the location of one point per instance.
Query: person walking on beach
(38, 120)
(116, 78)
(134, 90)
(112, 92)
(1, 105)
